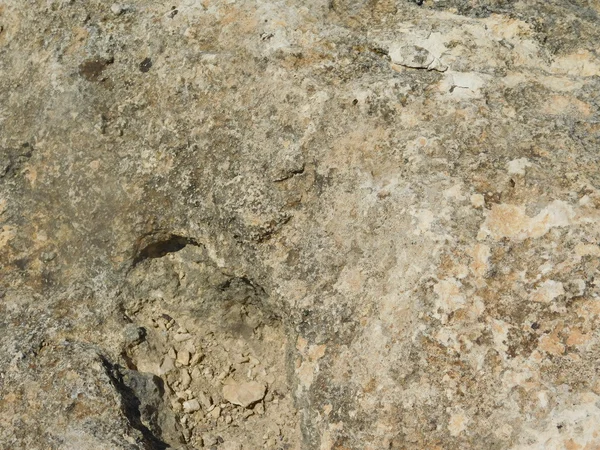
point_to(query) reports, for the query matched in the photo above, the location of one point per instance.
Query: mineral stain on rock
(92, 69)
(145, 65)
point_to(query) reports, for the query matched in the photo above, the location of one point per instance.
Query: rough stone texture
(244, 394)
(385, 212)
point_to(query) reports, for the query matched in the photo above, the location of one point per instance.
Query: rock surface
(387, 213)
(244, 394)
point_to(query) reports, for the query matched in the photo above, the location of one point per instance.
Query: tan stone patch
(560, 104)
(551, 343)
(31, 175)
(510, 221)
(458, 423)
(307, 365)
(481, 255)
(7, 232)
(581, 63)
(449, 297)
(78, 38)
(576, 337)
(581, 250)
(477, 200)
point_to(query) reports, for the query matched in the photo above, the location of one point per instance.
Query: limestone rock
(388, 211)
(244, 394)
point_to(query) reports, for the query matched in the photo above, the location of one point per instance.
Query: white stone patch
(575, 420)
(548, 291)
(454, 193)
(512, 378)
(477, 200)
(448, 338)
(449, 297)
(414, 57)
(463, 85)
(517, 166)
(424, 220)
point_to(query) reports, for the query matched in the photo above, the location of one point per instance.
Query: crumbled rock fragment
(183, 357)
(167, 365)
(415, 57)
(116, 9)
(180, 337)
(190, 406)
(245, 393)
(186, 379)
(215, 413)
(205, 400)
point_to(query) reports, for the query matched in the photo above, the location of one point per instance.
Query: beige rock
(205, 400)
(167, 365)
(190, 406)
(245, 393)
(183, 357)
(215, 413)
(185, 377)
(182, 337)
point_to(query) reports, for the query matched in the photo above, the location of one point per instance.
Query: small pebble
(209, 440)
(176, 406)
(116, 9)
(205, 400)
(167, 365)
(196, 374)
(145, 66)
(186, 379)
(191, 406)
(244, 394)
(183, 358)
(196, 358)
(215, 413)
(182, 337)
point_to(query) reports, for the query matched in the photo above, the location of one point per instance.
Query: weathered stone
(190, 406)
(392, 206)
(244, 393)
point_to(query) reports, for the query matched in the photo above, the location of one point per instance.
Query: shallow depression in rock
(221, 354)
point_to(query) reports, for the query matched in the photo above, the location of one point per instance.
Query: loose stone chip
(244, 394)
(191, 406)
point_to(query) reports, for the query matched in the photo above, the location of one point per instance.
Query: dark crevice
(162, 247)
(130, 406)
(244, 281)
(289, 174)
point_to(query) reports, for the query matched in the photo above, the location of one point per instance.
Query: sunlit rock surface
(384, 213)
